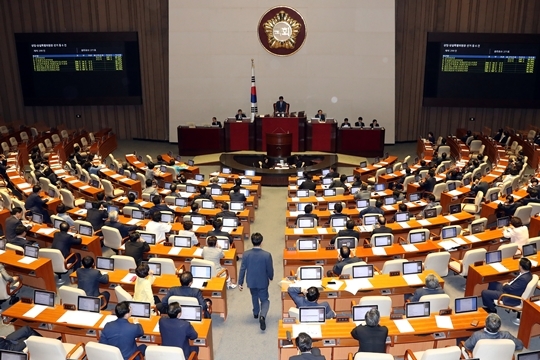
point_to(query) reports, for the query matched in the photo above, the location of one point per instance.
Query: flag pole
(254, 109)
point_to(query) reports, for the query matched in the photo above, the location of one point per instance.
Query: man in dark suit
(338, 208)
(236, 195)
(515, 287)
(320, 115)
(16, 341)
(423, 166)
(203, 195)
(332, 173)
(177, 332)
(281, 107)
(308, 298)
(225, 212)
(37, 205)
(131, 201)
(240, 115)
(20, 237)
(306, 349)
(359, 123)
(121, 333)
(97, 215)
(12, 222)
(186, 279)
(373, 209)
(428, 184)
(372, 336)
(136, 247)
(123, 229)
(432, 288)
(260, 271)
(158, 206)
(218, 224)
(348, 231)
(380, 227)
(64, 241)
(89, 279)
(478, 185)
(344, 258)
(307, 214)
(216, 123)
(308, 184)
(340, 183)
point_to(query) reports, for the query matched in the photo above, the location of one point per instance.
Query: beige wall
(346, 66)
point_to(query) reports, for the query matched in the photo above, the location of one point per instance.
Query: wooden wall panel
(148, 17)
(414, 19)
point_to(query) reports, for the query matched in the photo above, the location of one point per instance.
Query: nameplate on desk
(395, 273)
(385, 292)
(146, 338)
(216, 293)
(292, 248)
(345, 276)
(45, 326)
(289, 320)
(166, 243)
(163, 291)
(200, 342)
(445, 312)
(228, 262)
(396, 316)
(439, 335)
(70, 307)
(516, 257)
(329, 342)
(26, 300)
(112, 286)
(367, 246)
(332, 294)
(535, 298)
(319, 262)
(330, 248)
(478, 263)
(341, 319)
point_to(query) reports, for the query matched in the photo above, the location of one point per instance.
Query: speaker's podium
(294, 126)
(279, 145)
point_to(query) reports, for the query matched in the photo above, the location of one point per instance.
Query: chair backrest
(55, 189)
(347, 269)
(491, 191)
(475, 145)
(393, 265)
(56, 139)
(409, 179)
(524, 213)
(82, 222)
(14, 247)
(444, 149)
(142, 179)
(201, 262)
(397, 166)
(147, 197)
(437, 302)
(531, 286)
(128, 210)
(111, 237)
(384, 303)
(64, 134)
(379, 172)
(159, 352)
(3, 291)
(472, 256)
(44, 183)
(508, 250)
(445, 353)
(107, 187)
(56, 257)
(48, 143)
(70, 294)
(170, 200)
(438, 262)
(534, 240)
(16, 202)
(97, 351)
(184, 300)
(438, 190)
(167, 265)
(339, 191)
(13, 141)
(6, 199)
(123, 262)
(67, 198)
(482, 220)
(122, 294)
(5, 147)
(500, 349)
(44, 348)
(372, 356)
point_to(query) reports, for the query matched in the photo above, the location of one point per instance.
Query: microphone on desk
(288, 335)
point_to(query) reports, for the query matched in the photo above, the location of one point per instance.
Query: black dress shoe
(262, 323)
(489, 311)
(256, 316)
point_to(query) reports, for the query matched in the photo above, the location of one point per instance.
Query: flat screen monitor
(12, 355)
(121, 171)
(85, 230)
(329, 192)
(82, 178)
(249, 173)
(300, 181)
(45, 298)
(312, 314)
(236, 206)
(199, 177)
(245, 192)
(401, 217)
(57, 223)
(155, 267)
(327, 181)
(224, 244)
(137, 214)
(338, 222)
(529, 249)
(226, 170)
(382, 240)
(167, 186)
(245, 181)
(208, 204)
(37, 218)
(2, 243)
(310, 273)
(416, 238)
(508, 190)
(466, 181)
(181, 202)
(306, 223)
(191, 189)
(465, 304)
(167, 218)
(87, 205)
(415, 196)
(331, 206)
(454, 209)
(504, 221)
(302, 206)
(325, 172)
(362, 203)
(104, 263)
(31, 251)
(302, 193)
(389, 200)
(140, 309)
(531, 355)
(191, 313)
(451, 186)
(370, 219)
(449, 232)
(359, 311)
(417, 309)
(94, 183)
(379, 187)
(363, 164)
(412, 267)
(493, 257)
(201, 271)
(197, 220)
(222, 180)
(112, 166)
(430, 213)
(299, 173)
(307, 244)
(133, 176)
(376, 160)
(163, 168)
(362, 271)
(111, 208)
(350, 178)
(216, 191)
(389, 170)
(182, 241)
(139, 158)
(51, 193)
(477, 228)
(229, 222)
(149, 238)
(89, 303)
(493, 197)
(347, 241)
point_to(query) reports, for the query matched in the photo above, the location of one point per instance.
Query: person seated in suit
(516, 232)
(121, 333)
(281, 108)
(431, 202)
(218, 224)
(515, 287)
(363, 193)
(176, 331)
(345, 124)
(236, 195)
(150, 188)
(478, 185)
(380, 227)
(266, 163)
(431, 138)
(306, 351)
(498, 135)
(16, 341)
(307, 214)
(158, 206)
(360, 122)
(64, 241)
(344, 258)
(131, 201)
(309, 297)
(160, 161)
(203, 194)
(136, 247)
(357, 182)
(61, 212)
(308, 183)
(371, 336)
(37, 205)
(123, 229)
(533, 185)
(509, 207)
(492, 331)
(88, 279)
(432, 287)
(423, 166)
(20, 237)
(373, 209)
(185, 289)
(149, 174)
(374, 124)
(348, 231)
(216, 123)
(428, 184)
(532, 197)
(225, 212)
(454, 174)
(240, 115)
(174, 191)
(332, 173)
(12, 222)
(188, 226)
(97, 215)
(320, 115)
(340, 183)
(194, 209)
(155, 226)
(402, 208)
(338, 208)
(214, 183)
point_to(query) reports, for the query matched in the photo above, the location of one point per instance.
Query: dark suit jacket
(371, 338)
(418, 293)
(97, 218)
(227, 213)
(260, 269)
(338, 268)
(315, 355)
(281, 106)
(89, 280)
(11, 224)
(482, 186)
(346, 232)
(134, 204)
(332, 175)
(177, 332)
(517, 287)
(160, 207)
(136, 250)
(220, 233)
(308, 185)
(218, 124)
(240, 116)
(237, 196)
(35, 204)
(121, 334)
(428, 185)
(338, 183)
(123, 229)
(382, 230)
(183, 291)
(20, 241)
(64, 241)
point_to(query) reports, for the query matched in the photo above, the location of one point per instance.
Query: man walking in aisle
(260, 271)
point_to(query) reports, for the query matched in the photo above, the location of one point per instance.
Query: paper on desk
(404, 325)
(115, 176)
(447, 244)
(409, 248)
(198, 283)
(73, 181)
(175, 250)
(335, 286)
(380, 251)
(354, 285)
(306, 284)
(107, 320)
(377, 165)
(365, 169)
(534, 263)
(156, 328)
(143, 203)
(227, 229)
(195, 182)
(292, 187)
(492, 175)
(121, 198)
(198, 252)
(34, 311)
(84, 318)
(499, 267)
(195, 227)
(184, 194)
(459, 241)
(295, 199)
(24, 185)
(451, 218)
(412, 279)
(404, 224)
(321, 230)
(424, 222)
(455, 192)
(46, 231)
(298, 231)
(129, 278)
(85, 187)
(81, 212)
(388, 207)
(27, 260)
(295, 213)
(320, 198)
(133, 221)
(444, 322)
(366, 228)
(215, 173)
(312, 330)
(472, 238)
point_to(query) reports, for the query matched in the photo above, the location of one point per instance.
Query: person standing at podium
(240, 115)
(216, 123)
(320, 115)
(281, 108)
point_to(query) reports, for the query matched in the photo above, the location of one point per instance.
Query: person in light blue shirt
(310, 298)
(61, 213)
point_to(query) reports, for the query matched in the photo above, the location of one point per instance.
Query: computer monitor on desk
(417, 309)
(104, 264)
(302, 193)
(466, 304)
(312, 314)
(304, 223)
(155, 267)
(370, 219)
(477, 228)
(45, 298)
(338, 222)
(362, 203)
(329, 192)
(382, 240)
(504, 221)
(362, 271)
(88, 303)
(402, 217)
(416, 238)
(449, 232)
(359, 311)
(12, 355)
(347, 241)
(415, 196)
(454, 208)
(529, 249)
(191, 313)
(307, 244)
(532, 355)
(310, 273)
(140, 309)
(493, 257)
(412, 267)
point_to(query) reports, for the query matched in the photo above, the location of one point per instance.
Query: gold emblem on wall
(282, 31)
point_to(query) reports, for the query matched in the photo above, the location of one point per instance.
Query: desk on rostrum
(340, 300)
(215, 289)
(336, 342)
(47, 325)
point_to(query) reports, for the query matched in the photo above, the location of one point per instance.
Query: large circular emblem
(282, 31)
